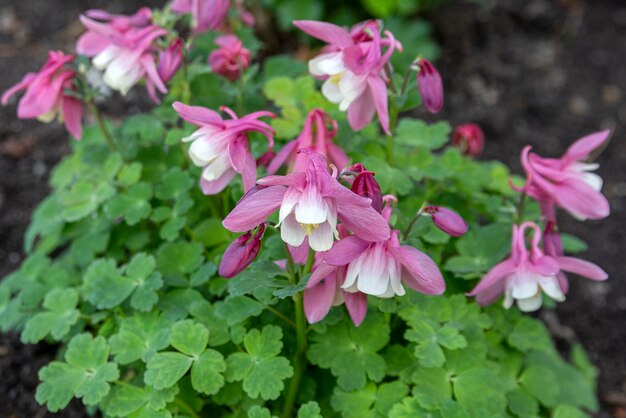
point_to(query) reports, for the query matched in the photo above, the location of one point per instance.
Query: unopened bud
(241, 252)
(170, 60)
(470, 138)
(365, 185)
(430, 86)
(447, 220)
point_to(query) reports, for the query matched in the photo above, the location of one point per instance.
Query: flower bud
(430, 86)
(231, 58)
(552, 244)
(170, 60)
(469, 138)
(241, 252)
(365, 185)
(266, 158)
(447, 220)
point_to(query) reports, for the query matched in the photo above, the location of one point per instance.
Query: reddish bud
(170, 60)
(470, 138)
(241, 252)
(231, 59)
(430, 86)
(365, 185)
(447, 220)
(265, 159)
(552, 244)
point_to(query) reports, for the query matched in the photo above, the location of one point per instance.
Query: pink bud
(231, 59)
(266, 158)
(365, 185)
(470, 138)
(552, 244)
(241, 252)
(430, 85)
(170, 60)
(447, 220)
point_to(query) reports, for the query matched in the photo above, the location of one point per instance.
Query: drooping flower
(241, 252)
(568, 181)
(365, 185)
(170, 60)
(122, 47)
(447, 220)
(317, 135)
(221, 146)
(525, 274)
(310, 203)
(46, 98)
(324, 291)
(430, 85)
(205, 14)
(231, 58)
(353, 67)
(380, 268)
(469, 138)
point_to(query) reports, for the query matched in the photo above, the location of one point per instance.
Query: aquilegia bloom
(170, 60)
(380, 268)
(568, 181)
(317, 135)
(310, 203)
(526, 273)
(241, 252)
(353, 66)
(205, 14)
(221, 146)
(45, 97)
(430, 85)
(122, 47)
(469, 137)
(231, 58)
(324, 291)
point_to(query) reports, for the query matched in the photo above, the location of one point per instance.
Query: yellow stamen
(309, 227)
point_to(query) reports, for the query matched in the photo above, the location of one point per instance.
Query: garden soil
(536, 72)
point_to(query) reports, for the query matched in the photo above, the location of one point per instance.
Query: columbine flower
(525, 274)
(430, 86)
(46, 98)
(380, 268)
(353, 66)
(231, 59)
(170, 60)
(310, 204)
(568, 181)
(447, 220)
(317, 135)
(241, 252)
(205, 14)
(122, 47)
(323, 291)
(469, 138)
(221, 146)
(365, 185)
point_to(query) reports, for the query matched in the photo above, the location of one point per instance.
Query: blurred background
(539, 72)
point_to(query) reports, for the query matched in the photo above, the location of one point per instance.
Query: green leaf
(355, 404)
(480, 388)
(542, 384)
(310, 410)
(83, 198)
(522, 404)
(351, 353)
(105, 286)
(85, 374)
(568, 411)
(530, 334)
(130, 174)
(128, 399)
(133, 205)
(433, 387)
(572, 244)
(189, 337)
(259, 412)
(207, 372)
(409, 408)
(203, 312)
(59, 315)
(417, 133)
(236, 309)
(258, 275)
(140, 337)
(261, 370)
(179, 258)
(165, 369)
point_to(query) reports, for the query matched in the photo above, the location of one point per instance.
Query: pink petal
(361, 111)
(197, 115)
(494, 275)
(379, 92)
(337, 156)
(291, 180)
(281, 157)
(581, 199)
(147, 61)
(357, 306)
(545, 266)
(72, 110)
(360, 217)
(92, 43)
(423, 274)
(217, 185)
(26, 81)
(582, 268)
(320, 272)
(327, 32)
(490, 294)
(254, 209)
(318, 300)
(345, 250)
(243, 162)
(582, 148)
(300, 253)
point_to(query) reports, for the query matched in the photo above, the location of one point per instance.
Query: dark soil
(536, 72)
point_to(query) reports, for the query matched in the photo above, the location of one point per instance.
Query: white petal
(530, 304)
(352, 87)
(524, 285)
(292, 195)
(291, 232)
(311, 208)
(202, 152)
(326, 64)
(550, 285)
(321, 238)
(330, 89)
(103, 59)
(216, 168)
(395, 277)
(354, 269)
(374, 276)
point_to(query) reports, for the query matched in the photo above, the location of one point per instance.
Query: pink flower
(430, 86)
(46, 98)
(170, 60)
(310, 203)
(365, 185)
(245, 15)
(241, 252)
(221, 146)
(317, 135)
(206, 14)
(231, 59)
(447, 220)
(324, 291)
(380, 268)
(469, 138)
(525, 274)
(353, 67)
(568, 181)
(122, 47)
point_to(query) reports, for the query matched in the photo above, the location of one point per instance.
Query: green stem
(412, 223)
(291, 270)
(281, 316)
(393, 120)
(299, 360)
(186, 89)
(183, 405)
(105, 131)
(520, 207)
